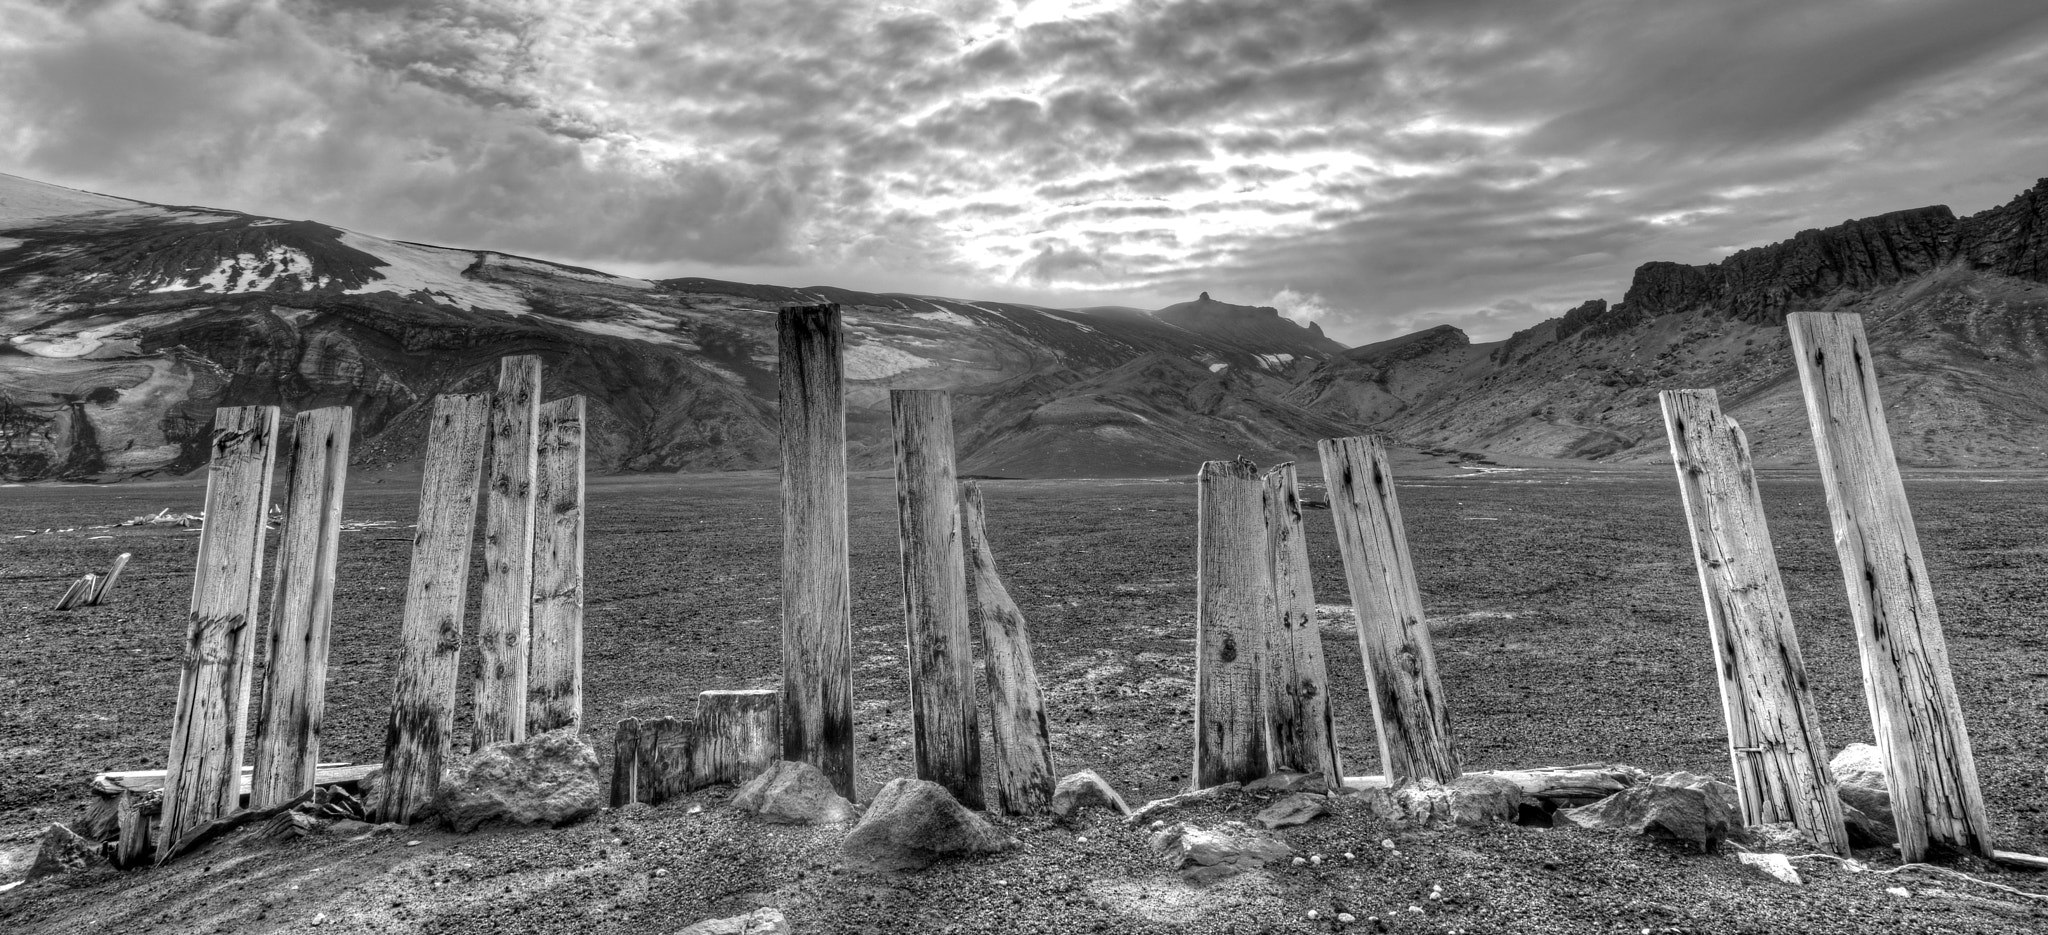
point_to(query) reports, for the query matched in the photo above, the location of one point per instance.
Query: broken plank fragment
(554, 677)
(1024, 777)
(737, 734)
(106, 582)
(75, 594)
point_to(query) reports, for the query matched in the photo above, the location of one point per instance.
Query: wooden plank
(1024, 776)
(554, 678)
(817, 622)
(152, 780)
(625, 762)
(1906, 679)
(76, 594)
(946, 732)
(1393, 640)
(736, 735)
(1301, 734)
(2017, 859)
(220, 639)
(106, 583)
(420, 732)
(209, 830)
(132, 821)
(1775, 746)
(302, 608)
(1233, 602)
(504, 624)
(652, 760)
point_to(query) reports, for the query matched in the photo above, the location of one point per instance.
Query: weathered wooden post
(106, 582)
(817, 620)
(737, 735)
(555, 674)
(1393, 639)
(202, 780)
(504, 625)
(422, 725)
(1774, 740)
(302, 608)
(946, 732)
(1906, 679)
(651, 760)
(1233, 602)
(1300, 733)
(1024, 777)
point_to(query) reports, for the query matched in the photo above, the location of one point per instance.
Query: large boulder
(1205, 855)
(1086, 789)
(1472, 800)
(763, 921)
(1677, 807)
(1866, 796)
(912, 824)
(548, 779)
(792, 793)
(64, 851)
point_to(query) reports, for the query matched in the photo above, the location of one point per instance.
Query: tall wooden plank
(504, 625)
(1393, 640)
(1233, 602)
(1300, 733)
(946, 731)
(205, 762)
(422, 725)
(1906, 679)
(1779, 758)
(106, 582)
(554, 675)
(736, 735)
(817, 620)
(1024, 776)
(302, 608)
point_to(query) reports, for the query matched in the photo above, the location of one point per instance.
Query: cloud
(1302, 307)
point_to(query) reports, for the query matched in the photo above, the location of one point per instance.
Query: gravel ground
(1564, 602)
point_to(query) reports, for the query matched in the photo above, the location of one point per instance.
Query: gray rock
(792, 793)
(1205, 855)
(763, 921)
(1866, 796)
(549, 779)
(1288, 811)
(1289, 781)
(1472, 800)
(63, 851)
(1086, 789)
(912, 824)
(1678, 807)
(1156, 807)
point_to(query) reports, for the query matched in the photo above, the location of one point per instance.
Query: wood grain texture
(220, 640)
(504, 624)
(817, 622)
(945, 728)
(554, 677)
(1393, 639)
(1300, 732)
(1912, 696)
(106, 581)
(1024, 776)
(1233, 603)
(651, 760)
(132, 821)
(302, 607)
(420, 733)
(78, 594)
(737, 735)
(152, 780)
(1779, 758)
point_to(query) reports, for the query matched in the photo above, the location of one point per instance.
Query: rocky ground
(1564, 605)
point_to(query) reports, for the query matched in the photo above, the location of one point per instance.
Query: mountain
(124, 324)
(1955, 307)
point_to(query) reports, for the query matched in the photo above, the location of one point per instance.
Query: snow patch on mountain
(437, 271)
(943, 315)
(249, 272)
(557, 271)
(876, 361)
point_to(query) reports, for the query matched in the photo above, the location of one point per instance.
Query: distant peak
(1204, 297)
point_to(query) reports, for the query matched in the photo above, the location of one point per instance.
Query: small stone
(694, 810)
(319, 918)
(1346, 918)
(661, 871)
(1899, 891)
(1298, 808)
(1205, 855)
(1415, 909)
(1288, 781)
(1313, 915)
(1387, 843)
(764, 921)
(1086, 789)
(1775, 866)
(412, 844)
(1315, 860)
(793, 793)
(1301, 861)
(1082, 839)
(1350, 856)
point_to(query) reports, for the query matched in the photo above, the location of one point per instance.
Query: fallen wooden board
(152, 780)
(2017, 859)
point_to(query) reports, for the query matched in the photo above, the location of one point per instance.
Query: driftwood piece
(152, 780)
(504, 622)
(1779, 758)
(76, 594)
(2017, 859)
(134, 814)
(817, 621)
(224, 824)
(421, 730)
(1024, 776)
(736, 735)
(213, 687)
(302, 608)
(1912, 695)
(946, 732)
(1233, 602)
(554, 678)
(1300, 733)
(106, 581)
(1400, 663)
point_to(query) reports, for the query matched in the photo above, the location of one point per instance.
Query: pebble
(1350, 856)
(1300, 861)
(1899, 891)
(1346, 918)
(1316, 859)
(1081, 840)
(695, 810)
(412, 844)
(319, 918)
(1313, 915)
(1387, 843)
(1415, 909)
(661, 871)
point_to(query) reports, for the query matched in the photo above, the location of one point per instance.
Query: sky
(1375, 167)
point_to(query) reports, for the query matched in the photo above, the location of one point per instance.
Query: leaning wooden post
(555, 674)
(1024, 777)
(946, 732)
(817, 620)
(504, 622)
(302, 608)
(202, 780)
(736, 735)
(1300, 733)
(1233, 602)
(1774, 740)
(1393, 640)
(422, 725)
(1906, 680)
